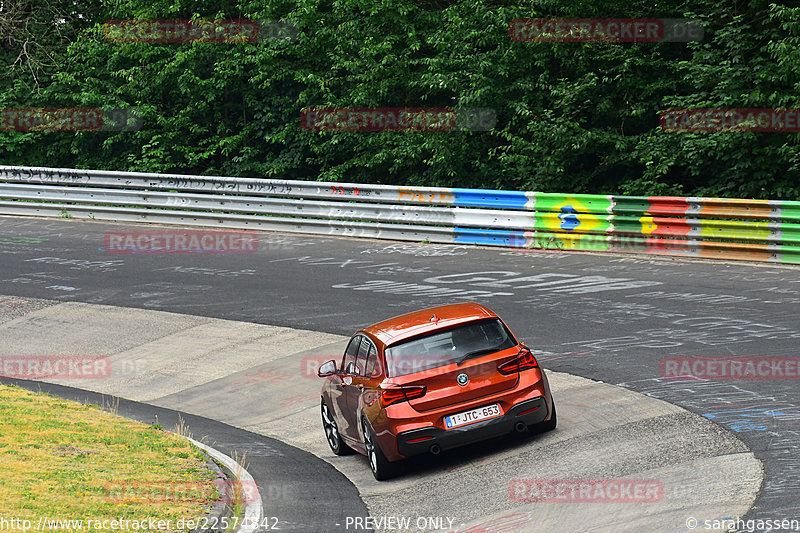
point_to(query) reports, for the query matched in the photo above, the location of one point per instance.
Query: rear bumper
(419, 441)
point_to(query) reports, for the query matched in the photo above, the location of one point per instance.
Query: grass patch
(237, 498)
(66, 460)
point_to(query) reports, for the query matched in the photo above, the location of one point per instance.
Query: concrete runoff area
(260, 378)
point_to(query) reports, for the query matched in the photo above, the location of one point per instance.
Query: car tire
(381, 468)
(332, 435)
(550, 425)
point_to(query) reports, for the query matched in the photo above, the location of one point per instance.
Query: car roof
(425, 321)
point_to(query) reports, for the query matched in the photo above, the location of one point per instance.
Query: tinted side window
(349, 361)
(373, 369)
(361, 359)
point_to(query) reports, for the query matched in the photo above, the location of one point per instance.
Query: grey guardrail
(762, 230)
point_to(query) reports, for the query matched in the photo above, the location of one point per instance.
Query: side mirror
(328, 368)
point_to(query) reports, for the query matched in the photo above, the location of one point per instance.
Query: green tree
(571, 116)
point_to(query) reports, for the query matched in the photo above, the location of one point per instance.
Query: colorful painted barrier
(756, 230)
(719, 228)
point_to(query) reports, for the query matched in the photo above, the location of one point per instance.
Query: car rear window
(446, 347)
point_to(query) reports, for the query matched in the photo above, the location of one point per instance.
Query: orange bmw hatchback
(430, 381)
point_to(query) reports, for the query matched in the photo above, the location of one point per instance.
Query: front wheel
(381, 467)
(332, 435)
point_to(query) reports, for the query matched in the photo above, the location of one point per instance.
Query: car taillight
(402, 394)
(524, 361)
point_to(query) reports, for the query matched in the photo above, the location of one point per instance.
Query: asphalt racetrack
(619, 320)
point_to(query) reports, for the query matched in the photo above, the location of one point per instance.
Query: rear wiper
(476, 353)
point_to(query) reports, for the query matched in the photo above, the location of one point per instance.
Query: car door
(373, 377)
(342, 384)
(361, 393)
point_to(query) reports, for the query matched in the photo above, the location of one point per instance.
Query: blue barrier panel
(493, 237)
(490, 198)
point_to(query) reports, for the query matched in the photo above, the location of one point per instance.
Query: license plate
(475, 415)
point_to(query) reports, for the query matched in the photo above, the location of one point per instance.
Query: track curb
(253, 510)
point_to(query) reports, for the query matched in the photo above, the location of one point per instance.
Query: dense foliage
(571, 116)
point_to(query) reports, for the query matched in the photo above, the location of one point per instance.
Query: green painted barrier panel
(572, 203)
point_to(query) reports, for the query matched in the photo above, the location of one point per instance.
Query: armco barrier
(757, 230)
